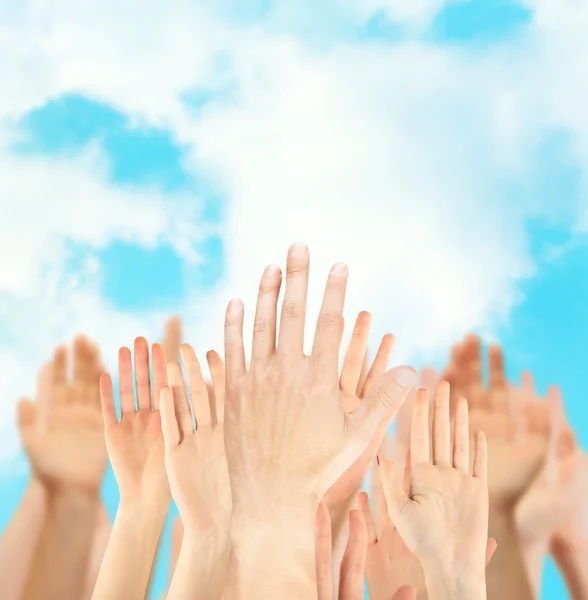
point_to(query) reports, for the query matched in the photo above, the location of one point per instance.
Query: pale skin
(198, 475)
(350, 581)
(355, 383)
(515, 456)
(136, 451)
(554, 502)
(443, 519)
(287, 437)
(63, 437)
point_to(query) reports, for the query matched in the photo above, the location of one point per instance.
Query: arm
(135, 447)
(130, 553)
(18, 543)
(572, 562)
(64, 546)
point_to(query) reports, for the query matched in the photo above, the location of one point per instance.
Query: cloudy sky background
(153, 160)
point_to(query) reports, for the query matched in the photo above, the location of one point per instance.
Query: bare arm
(61, 558)
(19, 541)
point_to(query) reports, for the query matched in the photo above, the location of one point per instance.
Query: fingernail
(272, 271)
(406, 376)
(235, 306)
(339, 269)
(298, 250)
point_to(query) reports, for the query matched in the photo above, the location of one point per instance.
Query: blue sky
(546, 330)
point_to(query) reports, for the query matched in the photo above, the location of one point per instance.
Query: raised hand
(443, 519)
(551, 498)
(198, 475)
(390, 565)
(63, 437)
(287, 437)
(136, 450)
(355, 383)
(62, 433)
(135, 443)
(353, 564)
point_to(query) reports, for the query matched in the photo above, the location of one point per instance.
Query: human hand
(444, 518)
(288, 438)
(351, 585)
(135, 444)
(195, 460)
(553, 495)
(62, 432)
(355, 386)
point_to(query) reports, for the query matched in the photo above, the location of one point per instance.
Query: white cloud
(388, 157)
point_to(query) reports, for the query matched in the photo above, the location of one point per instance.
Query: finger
(125, 382)
(169, 421)
(80, 371)
(107, 401)
(480, 470)
(291, 337)
(217, 372)
(497, 375)
(266, 314)
(159, 369)
(323, 553)
(172, 338)
(380, 363)
(196, 385)
(428, 379)
(556, 422)
(142, 377)
(364, 506)
(59, 395)
(96, 371)
(396, 499)
(356, 353)
(234, 351)
(441, 426)
(181, 404)
(384, 400)
(516, 407)
(461, 437)
(491, 546)
(329, 329)
(419, 434)
(351, 586)
(45, 396)
(527, 382)
(365, 365)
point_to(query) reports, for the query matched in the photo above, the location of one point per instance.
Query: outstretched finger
(380, 363)
(356, 353)
(353, 564)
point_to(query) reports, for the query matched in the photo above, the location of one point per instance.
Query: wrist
(446, 581)
(73, 499)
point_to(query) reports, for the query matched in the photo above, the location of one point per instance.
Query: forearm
(573, 565)
(272, 559)
(534, 558)
(19, 540)
(61, 558)
(201, 570)
(506, 574)
(130, 553)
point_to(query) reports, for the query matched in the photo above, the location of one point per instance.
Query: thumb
(384, 400)
(392, 485)
(406, 592)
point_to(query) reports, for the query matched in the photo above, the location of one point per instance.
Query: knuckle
(329, 319)
(291, 310)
